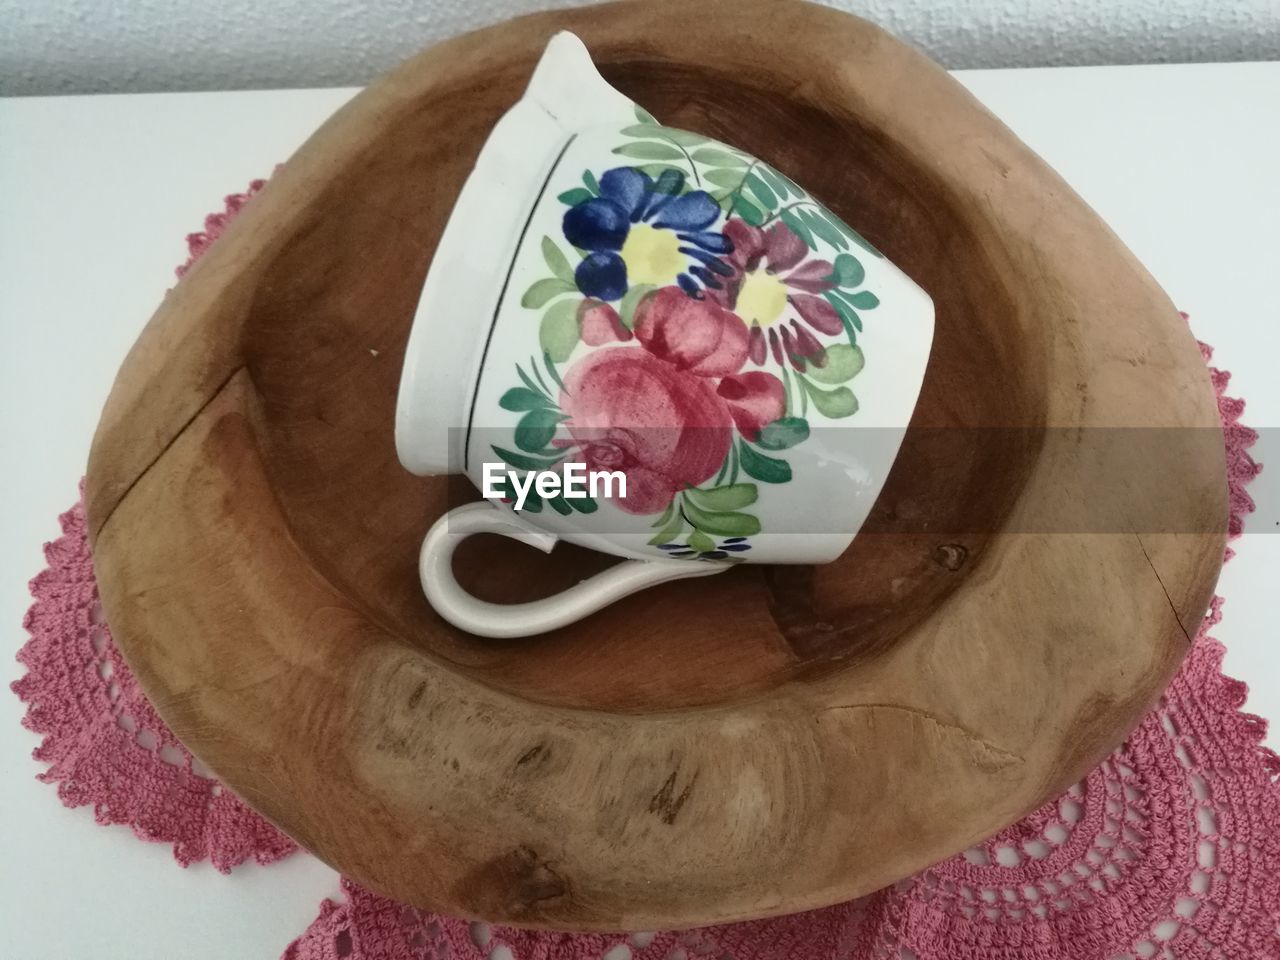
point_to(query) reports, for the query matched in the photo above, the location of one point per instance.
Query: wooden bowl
(765, 741)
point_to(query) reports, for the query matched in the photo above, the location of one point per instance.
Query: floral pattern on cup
(722, 304)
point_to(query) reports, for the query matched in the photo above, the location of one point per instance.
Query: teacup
(619, 303)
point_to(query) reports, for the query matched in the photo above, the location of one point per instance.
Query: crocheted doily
(103, 741)
(1170, 848)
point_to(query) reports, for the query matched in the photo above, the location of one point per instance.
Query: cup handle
(503, 620)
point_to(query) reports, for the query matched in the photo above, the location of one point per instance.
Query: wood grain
(769, 740)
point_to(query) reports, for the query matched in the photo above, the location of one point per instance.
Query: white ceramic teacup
(618, 301)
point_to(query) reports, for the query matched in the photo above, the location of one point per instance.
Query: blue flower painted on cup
(645, 231)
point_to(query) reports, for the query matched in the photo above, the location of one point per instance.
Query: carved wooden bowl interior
(764, 741)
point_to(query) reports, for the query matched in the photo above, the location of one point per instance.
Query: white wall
(78, 46)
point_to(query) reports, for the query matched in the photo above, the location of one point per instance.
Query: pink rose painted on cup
(600, 324)
(755, 400)
(695, 335)
(665, 428)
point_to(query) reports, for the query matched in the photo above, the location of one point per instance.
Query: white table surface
(96, 196)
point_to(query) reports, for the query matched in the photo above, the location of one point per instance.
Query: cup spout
(569, 88)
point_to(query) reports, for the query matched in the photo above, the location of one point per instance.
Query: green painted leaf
(864, 300)
(701, 542)
(833, 404)
(644, 116)
(589, 179)
(771, 177)
(584, 504)
(556, 261)
(747, 210)
(824, 228)
(720, 499)
(844, 362)
(575, 196)
(849, 270)
(533, 365)
(724, 468)
(716, 157)
(522, 462)
(686, 138)
(791, 184)
(667, 514)
(837, 301)
(536, 428)
(732, 179)
(551, 369)
(536, 388)
(783, 433)
(797, 226)
(630, 300)
(542, 292)
(532, 503)
(651, 131)
(760, 191)
(646, 128)
(765, 469)
(656, 170)
(560, 505)
(648, 150)
(722, 524)
(670, 531)
(856, 237)
(560, 330)
(519, 398)
(847, 316)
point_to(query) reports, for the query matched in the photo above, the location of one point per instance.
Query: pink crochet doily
(1169, 849)
(103, 741)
